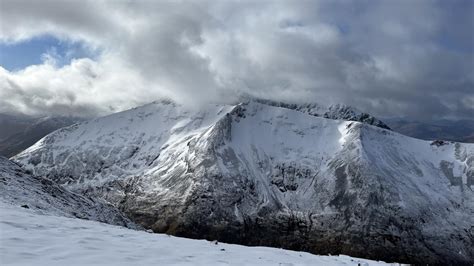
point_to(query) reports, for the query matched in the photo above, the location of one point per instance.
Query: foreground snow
(29, 238)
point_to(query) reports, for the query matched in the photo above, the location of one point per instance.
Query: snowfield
(28, 238)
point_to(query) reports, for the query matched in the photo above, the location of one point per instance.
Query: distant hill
(19, 132)
(460, 130)
(12, 124)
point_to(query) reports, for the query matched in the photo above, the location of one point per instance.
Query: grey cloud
(390, 58)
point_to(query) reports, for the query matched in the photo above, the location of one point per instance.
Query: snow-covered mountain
(260, 174)
(20, 188)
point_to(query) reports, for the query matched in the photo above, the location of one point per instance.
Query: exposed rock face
(19, 187)
(264, 175)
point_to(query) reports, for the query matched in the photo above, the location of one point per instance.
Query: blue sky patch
(16, 56)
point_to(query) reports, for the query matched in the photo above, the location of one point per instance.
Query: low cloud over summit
(403, 58)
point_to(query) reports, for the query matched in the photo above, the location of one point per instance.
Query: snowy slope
(43, 196)
(120, 145)
(27, 238)
(261, 174)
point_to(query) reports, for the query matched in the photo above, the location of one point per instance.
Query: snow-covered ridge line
(335, 111)
(260, 174)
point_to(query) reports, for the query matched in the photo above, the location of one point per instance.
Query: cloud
(388, 58)
(82, 88)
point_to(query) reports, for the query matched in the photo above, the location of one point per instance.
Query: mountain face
(20, 188)
(20, 132)
(260, 174)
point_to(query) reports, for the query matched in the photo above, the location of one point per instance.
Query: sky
(408, 58)
(17, 56)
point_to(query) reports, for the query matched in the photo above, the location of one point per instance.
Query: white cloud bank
(386, 57)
